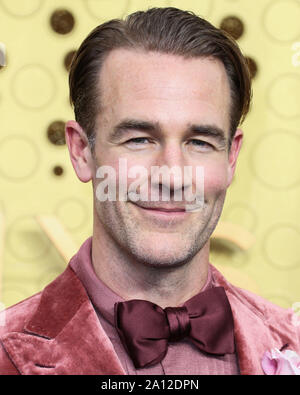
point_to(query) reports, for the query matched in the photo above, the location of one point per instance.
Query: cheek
(215, 179)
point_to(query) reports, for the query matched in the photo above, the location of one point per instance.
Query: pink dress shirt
(182, 358)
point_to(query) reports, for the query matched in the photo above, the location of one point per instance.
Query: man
(162, 89)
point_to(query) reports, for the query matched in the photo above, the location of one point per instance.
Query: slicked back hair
(165, 30)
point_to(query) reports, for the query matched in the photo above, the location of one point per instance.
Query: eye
(137, 142)
(201, 145)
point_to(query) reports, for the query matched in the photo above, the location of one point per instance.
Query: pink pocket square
(281, 362)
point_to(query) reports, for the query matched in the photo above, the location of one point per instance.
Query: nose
(167, 174)
(170, 155)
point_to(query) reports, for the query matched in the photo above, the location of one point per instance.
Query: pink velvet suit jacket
(57, 331)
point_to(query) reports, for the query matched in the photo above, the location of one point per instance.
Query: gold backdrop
(46, 212)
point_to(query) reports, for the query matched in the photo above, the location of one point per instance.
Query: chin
(168, 254)
(161, 261)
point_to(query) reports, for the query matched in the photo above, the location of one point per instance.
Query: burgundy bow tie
(145, 328)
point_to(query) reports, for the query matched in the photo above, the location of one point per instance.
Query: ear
(233, 154)
(79, 150)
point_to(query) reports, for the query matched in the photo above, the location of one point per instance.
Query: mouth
(163, 211)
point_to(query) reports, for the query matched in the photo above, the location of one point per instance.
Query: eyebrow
(210, 131)
(127, 125)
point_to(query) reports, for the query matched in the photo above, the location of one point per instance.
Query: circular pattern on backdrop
(68, 59)
(62, 21)
(252, 65)
(283, 95)
(33, 86)
(3, 56)
(106, 9)
(280, 20)
(202, 8)
(233, 26)
(72, 213)
(281, 246)
(273, 159)
(21, 8)
(58, 170)
(56, 133)
(19, 158)
(25, 240)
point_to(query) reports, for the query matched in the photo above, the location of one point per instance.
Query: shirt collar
(102, 297)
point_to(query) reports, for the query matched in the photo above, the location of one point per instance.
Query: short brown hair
(166, 30)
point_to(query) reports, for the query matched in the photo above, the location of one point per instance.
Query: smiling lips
(166, 210)
(171, 210)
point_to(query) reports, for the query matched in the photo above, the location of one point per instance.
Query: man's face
(162, 110)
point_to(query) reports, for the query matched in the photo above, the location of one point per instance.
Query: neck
(164, 286)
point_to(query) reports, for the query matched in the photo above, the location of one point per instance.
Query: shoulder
(43, 314)
(13, 319)
(56, 298)
(254, 309)
(248, 299)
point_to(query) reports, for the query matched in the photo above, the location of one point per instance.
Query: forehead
(166, 87)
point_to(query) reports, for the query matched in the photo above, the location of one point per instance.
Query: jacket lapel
(64, 335)
(258, 326)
